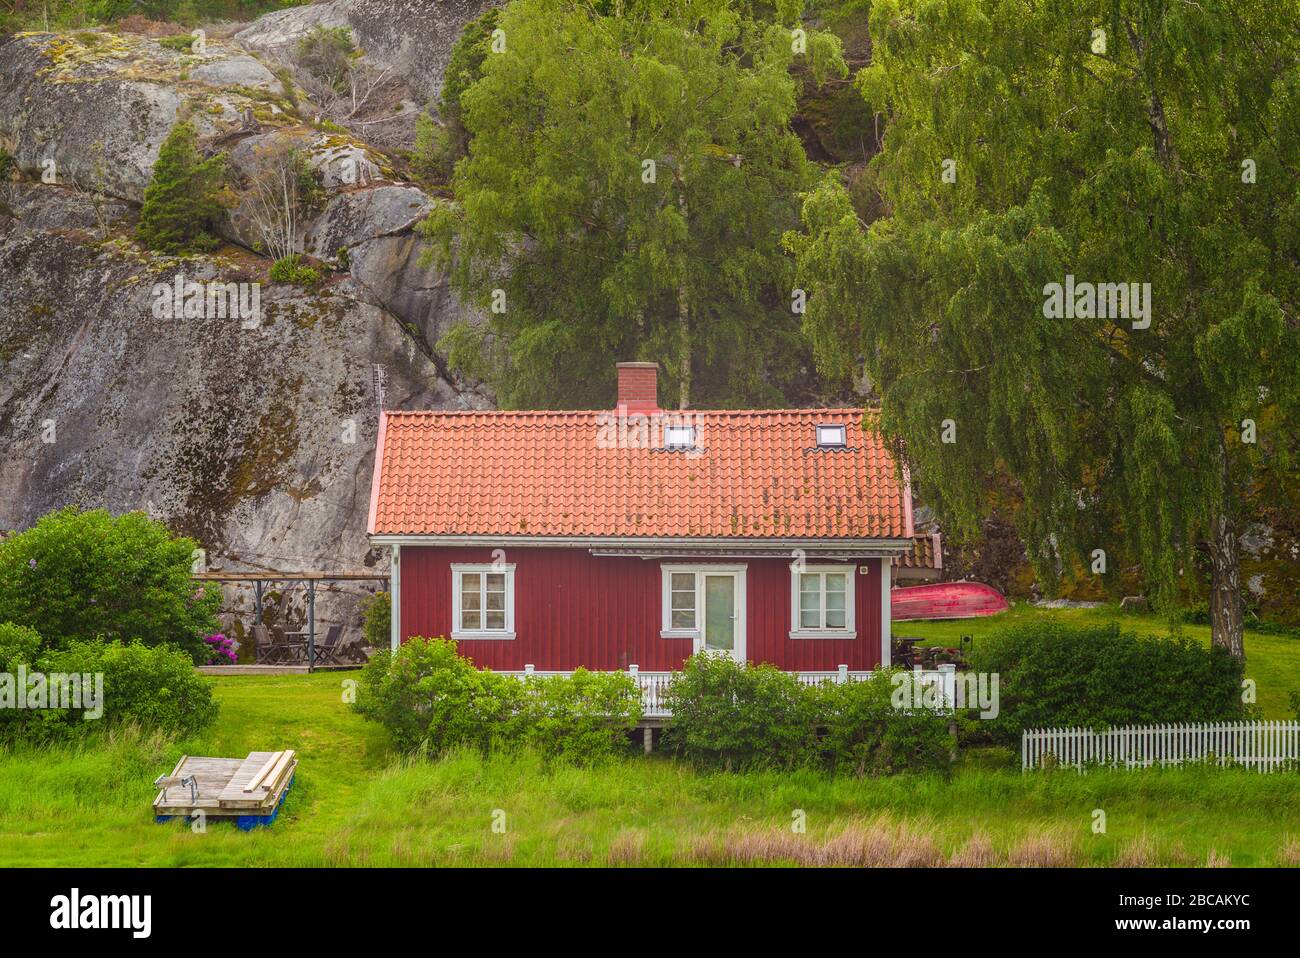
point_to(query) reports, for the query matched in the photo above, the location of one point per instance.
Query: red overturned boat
(945, 600)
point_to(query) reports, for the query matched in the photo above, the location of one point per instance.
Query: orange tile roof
(926, 553)
(756, 474)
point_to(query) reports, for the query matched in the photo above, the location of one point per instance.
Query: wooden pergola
(259, 580)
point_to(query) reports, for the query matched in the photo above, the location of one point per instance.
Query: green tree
(629, 177)
(90, 575)
(1112, 141)
(181, 203)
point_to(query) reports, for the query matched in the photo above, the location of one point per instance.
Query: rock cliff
(255, 438)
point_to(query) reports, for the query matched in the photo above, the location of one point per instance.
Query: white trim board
(886, 640)
(395, 597)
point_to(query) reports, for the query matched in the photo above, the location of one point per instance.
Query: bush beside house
(862, 733)
(432, 699)
(734, 716)
(725, 714)
(377, 620)
(1053, 675)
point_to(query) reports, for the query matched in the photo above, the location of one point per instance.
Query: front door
(724, 625)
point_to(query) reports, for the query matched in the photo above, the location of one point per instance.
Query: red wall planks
(603, 612)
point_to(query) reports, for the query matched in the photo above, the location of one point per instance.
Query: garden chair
(263, 645)
(329, 646)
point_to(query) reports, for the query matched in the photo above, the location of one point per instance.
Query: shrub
(431, 698)
(1054, 675)
(291, 269)
(865, 734)
(181, 206)
(155, 689)
(738, 715)
(327, 53)
(377, 620)
(583, 718)
(440, 143)
(464, 68)
(183, 42)
(434, 155)
(18, 645)
(86, 575)
(221, 650)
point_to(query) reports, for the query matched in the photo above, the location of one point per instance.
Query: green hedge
(736, 716)
(1054, 675)
(154, 688)
(739, 716)
(864, 734)
(432, 699)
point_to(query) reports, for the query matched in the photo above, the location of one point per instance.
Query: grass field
(355, 803)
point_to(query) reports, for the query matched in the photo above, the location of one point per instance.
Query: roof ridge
(595, 412)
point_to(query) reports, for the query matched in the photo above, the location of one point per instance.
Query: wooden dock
(249, 790)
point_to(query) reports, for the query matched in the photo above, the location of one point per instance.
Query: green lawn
(354, 803)
(1273, 661)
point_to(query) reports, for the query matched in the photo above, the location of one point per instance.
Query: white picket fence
(1264, 746)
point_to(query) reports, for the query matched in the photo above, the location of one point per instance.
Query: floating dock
(249, 790)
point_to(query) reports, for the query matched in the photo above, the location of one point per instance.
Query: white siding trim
(395, 597)
(886, 641)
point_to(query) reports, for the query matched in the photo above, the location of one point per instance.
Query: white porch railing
(1264, 746)
(655, 684)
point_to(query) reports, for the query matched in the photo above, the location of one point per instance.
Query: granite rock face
(256, 437)
(257, 440)
(413, 37)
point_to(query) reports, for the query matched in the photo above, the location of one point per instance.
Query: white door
(723, 628)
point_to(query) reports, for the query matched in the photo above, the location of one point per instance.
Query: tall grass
(354, 803)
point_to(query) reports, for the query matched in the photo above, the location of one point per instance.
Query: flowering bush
(221, 650)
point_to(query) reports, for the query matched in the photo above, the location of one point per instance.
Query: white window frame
(689, 429)
(843, 436)
(485, 568)
(849, 631)
(700, 570)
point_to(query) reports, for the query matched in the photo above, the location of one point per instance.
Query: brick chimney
(638, 388)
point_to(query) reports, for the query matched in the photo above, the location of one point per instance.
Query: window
(681, 606)
(831, 437)
(483, 601)
(821, 602)
(679, 437)
(704, 602)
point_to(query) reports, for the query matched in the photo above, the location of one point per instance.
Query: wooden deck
(244, 788)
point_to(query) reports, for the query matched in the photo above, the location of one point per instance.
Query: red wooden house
(631, 538)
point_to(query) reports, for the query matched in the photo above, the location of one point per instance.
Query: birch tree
(1087, 275)
(631, 169)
